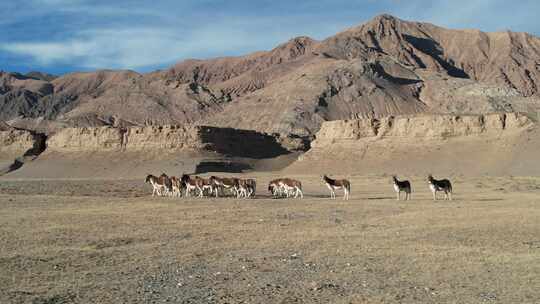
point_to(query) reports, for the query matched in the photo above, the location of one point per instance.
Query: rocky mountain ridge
(386, 66)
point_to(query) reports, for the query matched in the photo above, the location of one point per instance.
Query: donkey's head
(149, 178)
(184, 178)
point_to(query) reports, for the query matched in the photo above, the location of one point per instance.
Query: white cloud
(152, 34)
(135, 48)
(127, 48)
(56, 2)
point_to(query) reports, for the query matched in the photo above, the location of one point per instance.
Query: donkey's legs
(239, 191)
(201, 192)
(331, 190)
(298, 191)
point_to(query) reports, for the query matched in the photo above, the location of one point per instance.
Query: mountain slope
(385, 66)
(504, 58)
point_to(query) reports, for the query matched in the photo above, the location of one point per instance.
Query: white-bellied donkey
(161, 185)
(442, 185)
(336, 184)
(402, 186)
(291, 186)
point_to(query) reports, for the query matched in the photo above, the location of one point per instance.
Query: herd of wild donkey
(164, 185)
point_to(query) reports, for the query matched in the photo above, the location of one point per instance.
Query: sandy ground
(108, 241)
(92, 165)
(470, 155)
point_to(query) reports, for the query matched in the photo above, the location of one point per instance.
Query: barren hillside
(386, 66)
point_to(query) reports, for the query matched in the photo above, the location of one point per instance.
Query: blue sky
(59, 36)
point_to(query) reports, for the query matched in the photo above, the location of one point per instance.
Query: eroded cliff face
(109, 139)
(18, 147)
(14, 143)
(166, 139)
(421, 126)
(419, 144)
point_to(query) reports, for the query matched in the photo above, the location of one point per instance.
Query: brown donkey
(224, 183)
(161, 185)
(336, 184)
(291, 186)
(156, 185)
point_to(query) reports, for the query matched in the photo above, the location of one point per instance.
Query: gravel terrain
(100, 241)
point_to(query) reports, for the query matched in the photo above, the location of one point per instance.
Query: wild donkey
(204, 184)
(190, 184)
(291, 186)
(442, 185)
(251, 187)
(161, 185)
(245, 188)
(157, 185)
(400, 186)
(241, 188)
(336, 184)
(167, 182)
(274, 188)
(224, 183)
(176, 186)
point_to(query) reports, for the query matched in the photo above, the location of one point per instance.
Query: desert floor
(109, 241)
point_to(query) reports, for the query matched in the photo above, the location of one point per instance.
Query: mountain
(386, 66)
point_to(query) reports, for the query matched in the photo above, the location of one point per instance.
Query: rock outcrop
(126, 152)
(15, 143)
(427, 127)
(166, 139)
(419, 144)
(18, 147)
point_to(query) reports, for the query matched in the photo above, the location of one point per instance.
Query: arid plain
(108, 241)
